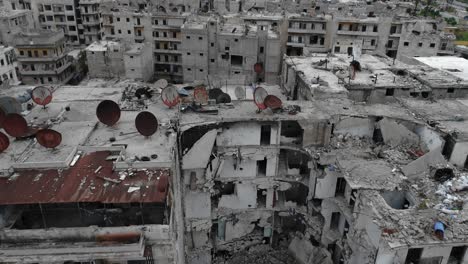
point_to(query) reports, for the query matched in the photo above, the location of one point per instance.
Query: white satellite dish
(161, 83)
(240, 93)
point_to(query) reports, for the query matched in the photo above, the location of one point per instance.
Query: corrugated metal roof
(80, 183)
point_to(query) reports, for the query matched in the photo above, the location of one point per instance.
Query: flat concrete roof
(455, 66)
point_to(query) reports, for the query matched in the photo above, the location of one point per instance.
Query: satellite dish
(15, 125)
(108, 112)
(200, 95)
(48, 138)
(161, 83)
(259, 97)
(170, 96)
(146, 123)
(258, 67)
(10, 105)
(214, 93)
(273, 102)
(223, 98)
(4, 142)
(240, 93)
(42, 95)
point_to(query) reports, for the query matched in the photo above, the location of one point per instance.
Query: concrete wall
(459, 154)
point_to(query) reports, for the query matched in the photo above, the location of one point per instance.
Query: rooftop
(39, 37)
(455, 66)
(102, 45)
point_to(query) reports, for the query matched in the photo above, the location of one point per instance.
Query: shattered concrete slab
(423, 164)
(306, 253)
(199, 155)
(395, 134)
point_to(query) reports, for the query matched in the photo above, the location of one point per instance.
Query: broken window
(335, 220)
(261, 167)
(265, 135)
(414, 255)
(337, 49)
(393, 30)
(450, 90)
(457, 254)
(448, 147)
(390, 92)
(340, 187)
(432, 45)
(236, 60)
(314, 40)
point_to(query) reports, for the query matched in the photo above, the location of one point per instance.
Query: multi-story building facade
(60, 15)
(8, 66)
(42, 57)
(13, 21)
(91, 22)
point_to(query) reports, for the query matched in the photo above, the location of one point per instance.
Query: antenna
(15, 125)
(146, 123)
(259, 97)
(42, 95)
(200, 95)
(240, 93)
(4, 142)
(273, 102)
(48, 138)
(108, 112)
(170, 96)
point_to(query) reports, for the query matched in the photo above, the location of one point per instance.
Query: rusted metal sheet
(273, 102)
(85, 182)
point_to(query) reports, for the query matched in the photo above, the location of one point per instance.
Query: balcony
(358, 33)
(167, 51)
(306, 31)
(167, 39)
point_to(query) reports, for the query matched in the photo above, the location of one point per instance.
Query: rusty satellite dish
(48, 138)
(258, 67)
(4, 142)
(170, 96)
(259, 97)
(200, 95)
(146, 123)
(15, 125)
(273, 102)
(42, 95)
(108, 112)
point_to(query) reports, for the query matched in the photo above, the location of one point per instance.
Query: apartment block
(91, 23)
(8, 66)
(106, 59)
(59, 15)
(231, 48)
(13, 21)
(42, 57)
